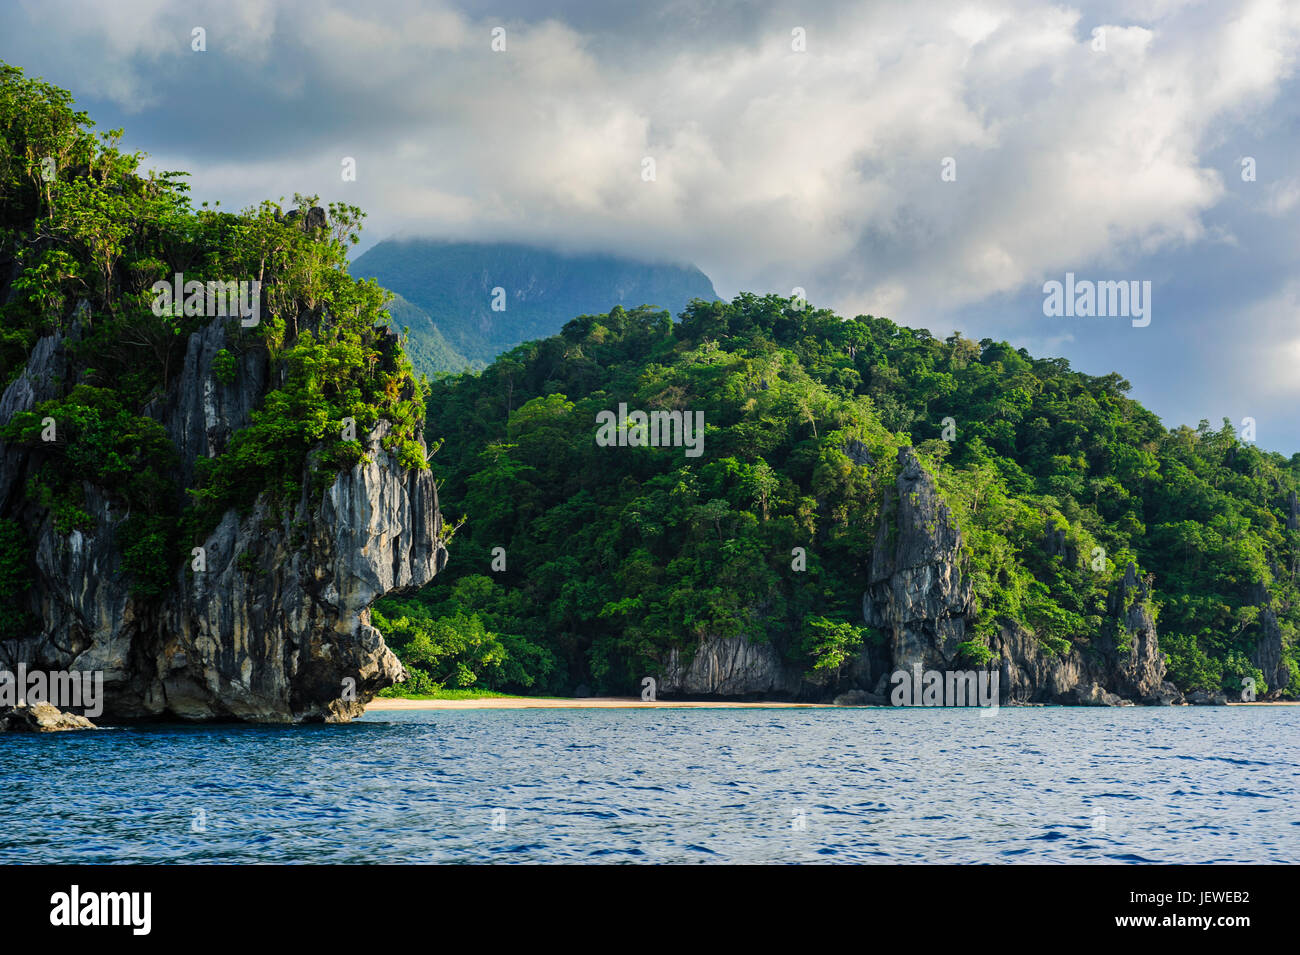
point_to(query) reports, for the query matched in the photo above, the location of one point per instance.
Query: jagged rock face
(1029, 673)
(43, 379)
(1131, 661)
(918, 597)
(1267, 654)
(729, 666)
(280, 619)
(1056, 545)
(1125, 663)
(857, 452)
(1094, 694)
(916, 592)
(203, 412)
(276, 626)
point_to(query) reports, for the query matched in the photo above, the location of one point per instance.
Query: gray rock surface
(729, 666)
(44, 378)
(277, 626)
(1268, 651)
(203, 412)
(918, 596)
(860, 698)
(920, 599)
(857, 452)
(916, 592)
(1030, 673)
(1093, 694)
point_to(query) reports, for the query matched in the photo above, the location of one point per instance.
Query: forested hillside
(612, 556)
(429, 351)
(577, 562)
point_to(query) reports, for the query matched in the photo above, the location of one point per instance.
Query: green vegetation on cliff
(84, 236)
(612, 556)
(587, 564)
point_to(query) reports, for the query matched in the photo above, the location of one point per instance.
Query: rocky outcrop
(1031, 673)
(44, 378)
(919, 598)
(1269, 654)
(857, 452)
(1129, 658)
(860, 698)
(916, 592)
(1092, 694)
(40, 718)
(1056, 544)
(729, 666)
(1123, 663)
(270, 621)
(204, 411)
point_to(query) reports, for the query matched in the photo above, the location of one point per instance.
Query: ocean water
(1055, 785)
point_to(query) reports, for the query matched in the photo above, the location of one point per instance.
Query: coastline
(584, 703)
(629, 703)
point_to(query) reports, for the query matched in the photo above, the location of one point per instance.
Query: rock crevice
(276, 625)
(918, 596)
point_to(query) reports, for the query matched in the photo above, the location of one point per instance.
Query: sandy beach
(585, 703)
(612, 703)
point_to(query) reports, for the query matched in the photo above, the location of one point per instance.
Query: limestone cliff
(920, 599)
(916, 593)
(1268, 652)
(275, 626)
(730, 666)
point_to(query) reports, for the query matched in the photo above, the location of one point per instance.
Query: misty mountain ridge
(446, 292)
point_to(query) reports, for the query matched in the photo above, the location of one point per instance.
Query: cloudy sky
(1109, 140)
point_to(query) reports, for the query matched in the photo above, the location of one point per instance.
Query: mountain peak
(467, 302)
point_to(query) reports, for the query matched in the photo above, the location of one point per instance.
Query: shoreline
(634, 703)
(576, 703)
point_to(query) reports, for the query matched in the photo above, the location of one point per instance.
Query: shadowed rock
(916, 591)
(919, 597)
(277, 626)
(729, 666)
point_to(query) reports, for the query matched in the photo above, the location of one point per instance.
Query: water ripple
(1037, 785)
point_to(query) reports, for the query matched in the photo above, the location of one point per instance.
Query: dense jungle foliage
(84, 235)
(584, 564)
(613, 555)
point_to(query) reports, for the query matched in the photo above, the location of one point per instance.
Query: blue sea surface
(1028, 785)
